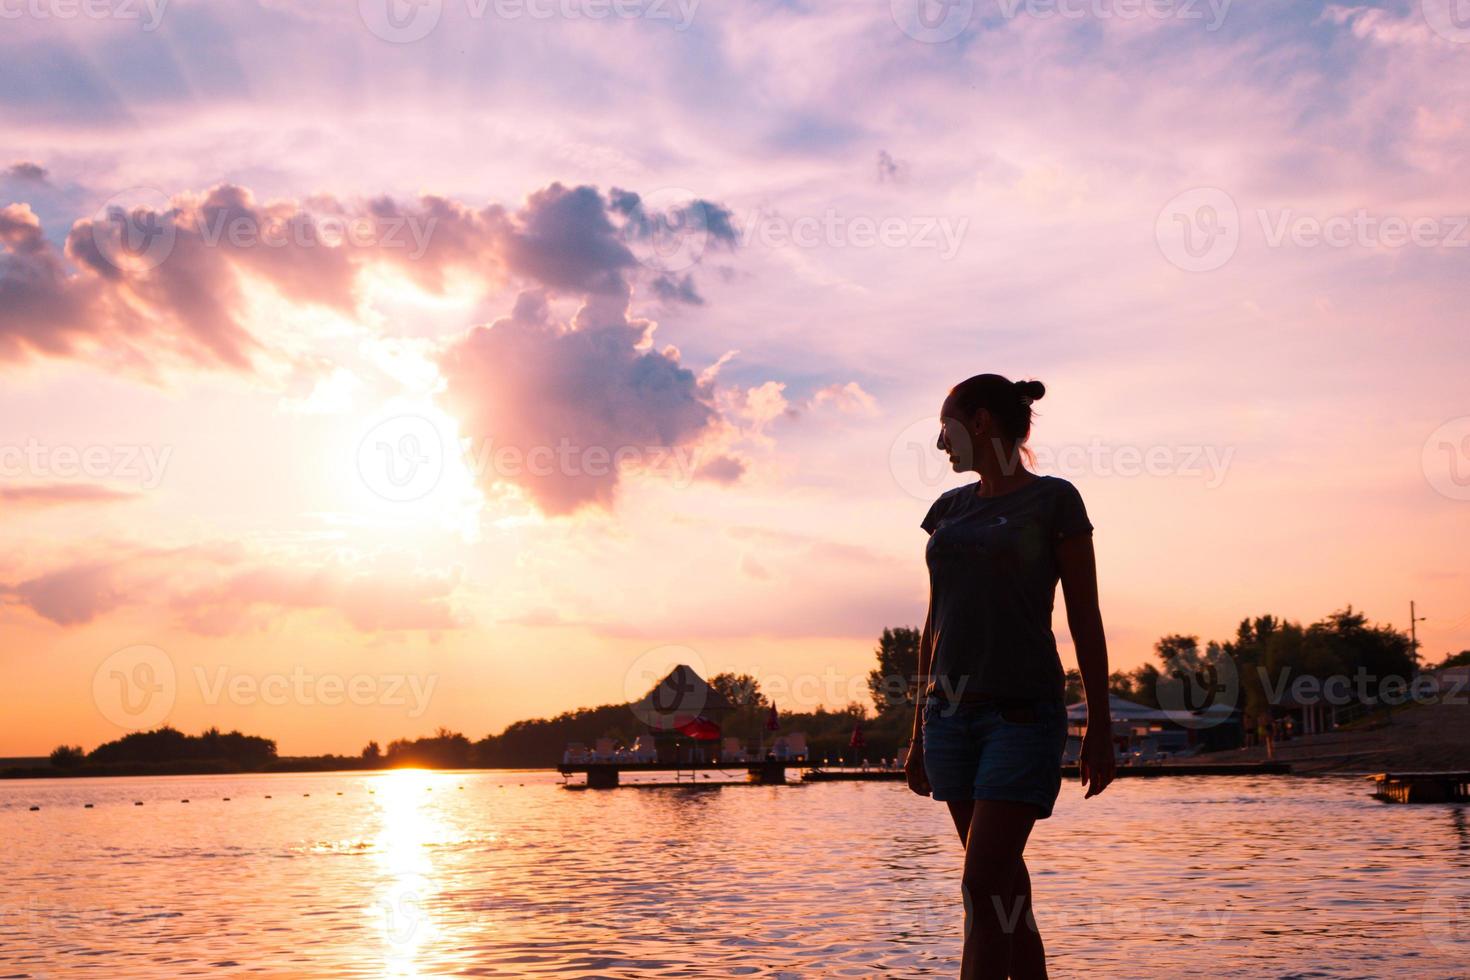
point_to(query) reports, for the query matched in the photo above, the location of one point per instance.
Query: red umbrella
(700, 728)
(771, 723)
(857, 741)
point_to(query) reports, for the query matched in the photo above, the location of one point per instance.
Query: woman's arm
(1078, 566)
(913, 765)
(922, 679)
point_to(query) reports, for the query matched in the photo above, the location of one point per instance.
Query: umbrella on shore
(699, 728)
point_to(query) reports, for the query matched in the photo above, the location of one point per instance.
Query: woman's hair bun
(1030, 389)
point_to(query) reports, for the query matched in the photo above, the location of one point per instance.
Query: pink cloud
(722, 469)
(242, 591)
(166, 283)
(557, 405)
(70, 596)
(58, 494)
(369, 603)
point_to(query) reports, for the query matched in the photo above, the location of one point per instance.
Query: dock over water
(1421, 787)
(605, 775)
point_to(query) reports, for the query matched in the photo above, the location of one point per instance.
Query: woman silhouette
(991, 722)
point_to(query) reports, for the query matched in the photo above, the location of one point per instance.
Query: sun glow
(403, 906)
(409, 473)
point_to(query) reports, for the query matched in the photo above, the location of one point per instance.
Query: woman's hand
(1096, 763)
(913, 768)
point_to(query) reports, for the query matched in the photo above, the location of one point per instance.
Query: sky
(371, 367)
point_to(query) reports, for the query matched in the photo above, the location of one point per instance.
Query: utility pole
(1414, 622)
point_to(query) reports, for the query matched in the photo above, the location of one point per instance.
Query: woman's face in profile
(955, 438)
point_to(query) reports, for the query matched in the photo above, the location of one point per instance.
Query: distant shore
(1426, 737)
(42, 769)
(1419, 738)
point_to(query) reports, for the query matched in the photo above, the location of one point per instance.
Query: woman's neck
(998, 477)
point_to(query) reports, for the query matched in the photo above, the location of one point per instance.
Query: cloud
(165, 283)
(223, 590)
(557, 405)
(72, 595)
(160, 284)
(41, 306)
(707, 222)
(57, 494)
(721, 469)
(369, 603)
(26, 171)
(849, 399)
(674, 289)
(565, 241)
(561, 406)
(891, 171)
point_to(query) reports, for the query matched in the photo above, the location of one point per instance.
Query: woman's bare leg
(1028, 953)
(961, 811)
(994, 908)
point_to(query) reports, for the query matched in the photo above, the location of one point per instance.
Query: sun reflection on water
(404, 906)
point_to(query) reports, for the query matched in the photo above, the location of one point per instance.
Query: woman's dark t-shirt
(992, 582)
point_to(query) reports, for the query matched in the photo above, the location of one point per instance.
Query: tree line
(1266, 651)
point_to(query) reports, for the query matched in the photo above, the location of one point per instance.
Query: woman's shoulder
(1057, 483)
(943, 504)
(1069, 511)
(954, 493)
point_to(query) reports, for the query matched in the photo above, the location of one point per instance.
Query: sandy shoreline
(1421, 737)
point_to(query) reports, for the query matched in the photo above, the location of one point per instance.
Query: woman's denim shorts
(996, 750)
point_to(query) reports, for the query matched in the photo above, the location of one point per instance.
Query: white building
(1137, 728)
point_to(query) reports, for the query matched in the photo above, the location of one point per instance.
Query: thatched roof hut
(679, 698)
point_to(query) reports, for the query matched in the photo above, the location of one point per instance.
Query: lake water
(507, 874)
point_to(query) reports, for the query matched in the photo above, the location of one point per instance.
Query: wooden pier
(860, 775)
(1195, 769)
(604, 775)
(1421, 787)
(1070, 772)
